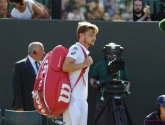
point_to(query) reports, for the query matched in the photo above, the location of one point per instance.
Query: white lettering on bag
(42, 110)
(45, 70)
(38, 101)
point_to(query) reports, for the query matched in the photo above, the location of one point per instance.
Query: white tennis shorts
(77, 112)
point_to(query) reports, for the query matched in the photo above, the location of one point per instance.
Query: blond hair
(85, 26)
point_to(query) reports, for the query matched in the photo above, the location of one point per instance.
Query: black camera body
(116, 63)
(113, 86)
(116, 85)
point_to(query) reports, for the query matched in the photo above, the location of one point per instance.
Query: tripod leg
(119, 110)
(123, 115)
(102, 109)
(130, 122)
(116, 112)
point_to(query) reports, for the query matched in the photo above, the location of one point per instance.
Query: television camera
(116, 86)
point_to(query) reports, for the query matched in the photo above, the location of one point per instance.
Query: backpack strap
(82, 71)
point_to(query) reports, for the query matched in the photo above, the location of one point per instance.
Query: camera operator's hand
(88, 61)
(95, 86)
(97, 83)
(92, 82)
(126, 93)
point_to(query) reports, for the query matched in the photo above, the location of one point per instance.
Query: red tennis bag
(52, 88)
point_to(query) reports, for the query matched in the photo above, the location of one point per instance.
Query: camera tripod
(120, 111)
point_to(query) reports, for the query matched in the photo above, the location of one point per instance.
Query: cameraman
(157, 117)
(100, 75)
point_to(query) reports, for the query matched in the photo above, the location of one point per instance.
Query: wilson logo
(64, 94)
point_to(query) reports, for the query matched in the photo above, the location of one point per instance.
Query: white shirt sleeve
(74, 52)
(13, 12)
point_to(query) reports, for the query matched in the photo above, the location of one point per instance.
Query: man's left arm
(127, 78)
(128, 86)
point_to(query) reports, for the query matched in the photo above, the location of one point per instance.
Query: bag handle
(83, 70)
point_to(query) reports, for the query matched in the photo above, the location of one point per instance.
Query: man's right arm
(17, 87)
(70, 66)
(73, 55)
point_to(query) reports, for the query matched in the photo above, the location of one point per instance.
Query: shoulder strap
(83, 70)
(83, 52)
(28, 6)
